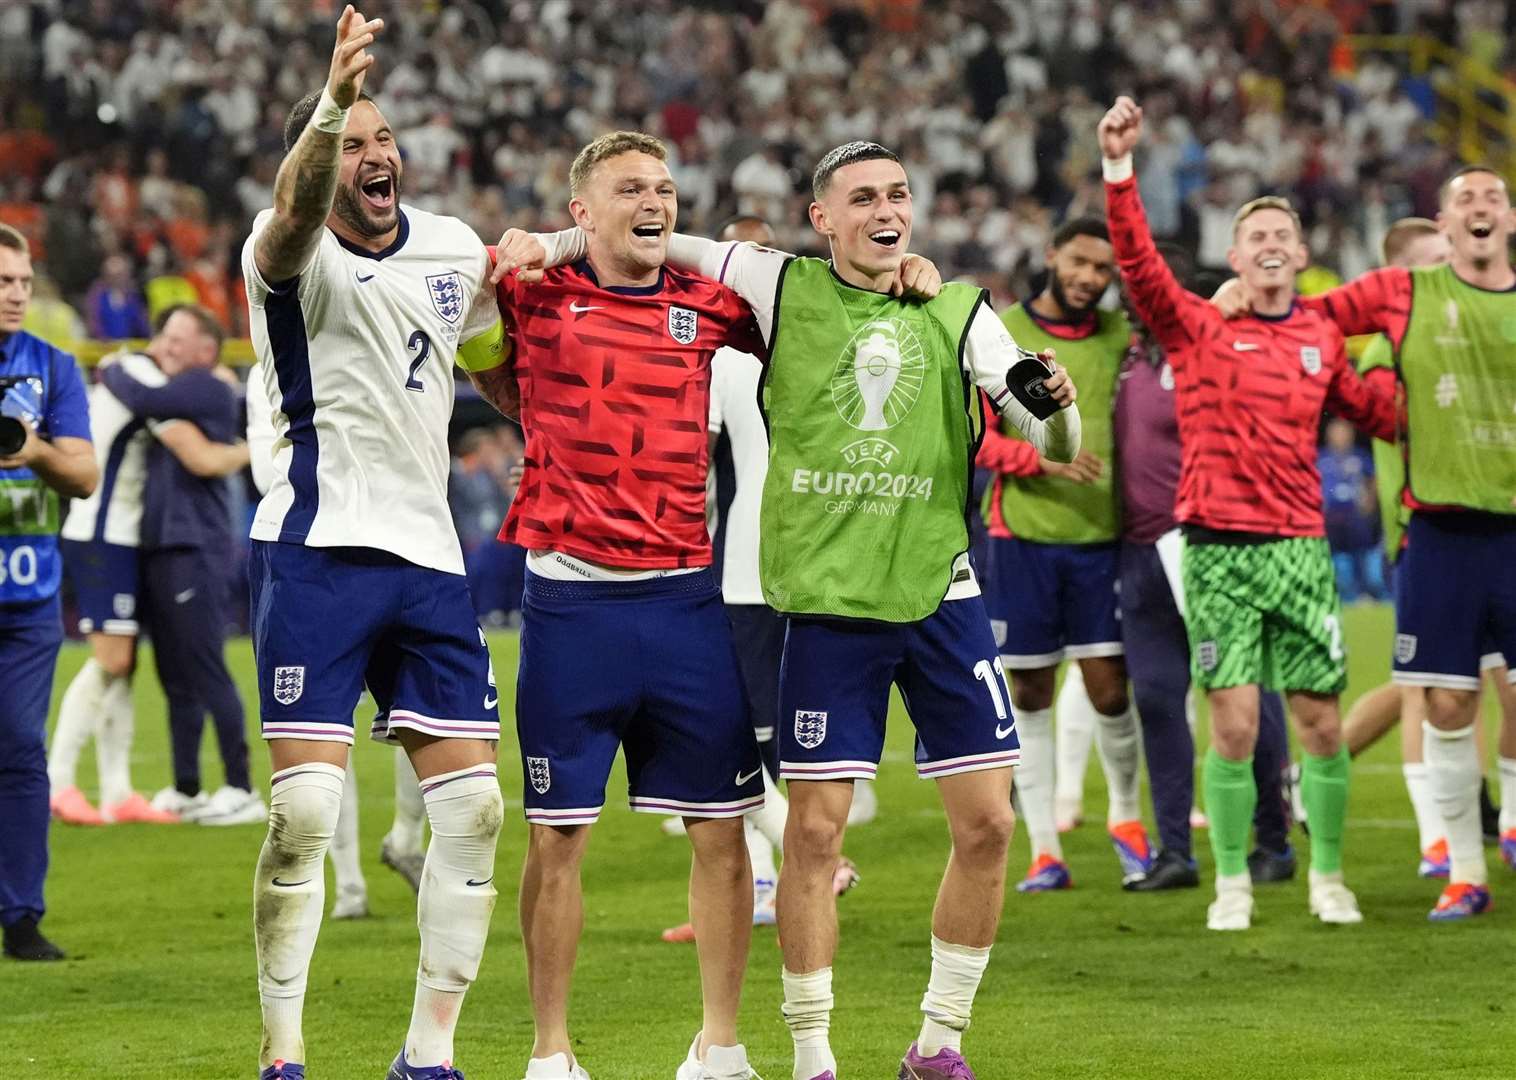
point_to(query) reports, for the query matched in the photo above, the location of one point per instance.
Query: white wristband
(1116, 170)
(329, 116)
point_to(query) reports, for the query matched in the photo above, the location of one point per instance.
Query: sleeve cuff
(1116, 170)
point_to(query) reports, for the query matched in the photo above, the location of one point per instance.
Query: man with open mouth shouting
(874, 418)
(359, 309)
(1261, 596)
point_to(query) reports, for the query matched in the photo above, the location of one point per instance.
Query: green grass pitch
(1093, 983)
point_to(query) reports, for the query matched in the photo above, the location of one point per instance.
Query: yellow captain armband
(485, 352)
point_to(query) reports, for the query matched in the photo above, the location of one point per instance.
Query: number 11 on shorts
(986, 671)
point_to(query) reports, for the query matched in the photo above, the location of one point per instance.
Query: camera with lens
(12, 430)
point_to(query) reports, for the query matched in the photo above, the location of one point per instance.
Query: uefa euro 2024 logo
(879, 375)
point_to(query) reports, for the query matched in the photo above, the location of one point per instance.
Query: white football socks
(1077, 721)
(807, 1010)
(770, 817)
(1120, 744)
(1452, 762)
(289, 891)
(956, 971)
(760, 853)
(405, 835)
(78, 720)
(1034, 781)
(113, 742)
(344, 850)
(457, 898)
(1423, 804)
(1507, 767)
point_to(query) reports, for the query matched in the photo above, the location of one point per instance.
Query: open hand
(350, 58)
(518, 251)
(1120, 128)
(1086, 468)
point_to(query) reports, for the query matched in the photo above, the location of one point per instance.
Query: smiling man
(1262, 602)
(873, 420)
(1450, 329)
(1053, 531)
(613, 358)
(360, 307)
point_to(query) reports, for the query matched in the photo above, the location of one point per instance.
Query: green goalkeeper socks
(1324, 790)
(1230, 796)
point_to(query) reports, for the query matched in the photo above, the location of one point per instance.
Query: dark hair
(300, 115)
(1080, 226)
(1442, 192)
(847, 154)
(208, 324)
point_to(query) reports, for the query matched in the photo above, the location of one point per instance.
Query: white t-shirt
(734, 410)
(357, 357)
(121, 444)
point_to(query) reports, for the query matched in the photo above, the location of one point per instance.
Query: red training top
(1250, 392)
(615, 404)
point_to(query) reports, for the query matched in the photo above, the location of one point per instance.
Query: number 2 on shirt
(418, 341)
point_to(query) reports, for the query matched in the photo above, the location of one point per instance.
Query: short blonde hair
(1400, 235)
(1267, 202)
(12, 238)
(610, 145)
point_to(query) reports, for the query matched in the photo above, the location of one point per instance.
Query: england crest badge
(810, 728)
(446, 293)
(683, 324)
(1310, 359)
(1405, 648)
(539, 774)
(289, 684)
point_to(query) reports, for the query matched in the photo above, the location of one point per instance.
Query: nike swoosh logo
(1246, 346)
(1002, 732)
(184, 597)
(471, 883)
(290, 884)
(491, 702)
(362, 279)
(743, 778)
(577, 310)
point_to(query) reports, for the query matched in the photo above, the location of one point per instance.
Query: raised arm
(307, 180)
(1171, 314)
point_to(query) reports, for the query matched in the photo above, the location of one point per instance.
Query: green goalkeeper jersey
(872, 432)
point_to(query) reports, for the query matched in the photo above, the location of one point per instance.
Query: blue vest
(51, 398)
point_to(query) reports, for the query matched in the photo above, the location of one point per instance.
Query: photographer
(45, 453)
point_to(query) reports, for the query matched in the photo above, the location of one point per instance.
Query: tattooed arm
(307, 180)
(499, 387)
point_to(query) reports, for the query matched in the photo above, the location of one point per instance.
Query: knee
(302, 817)
(117, 667)
(720, 846)
(1233, 737)
(1110, 701)
(985, 833)
(1032, 690)
(556, 849)
(813, 836)
(1450, 710)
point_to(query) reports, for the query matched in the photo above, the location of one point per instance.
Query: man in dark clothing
(186, 538)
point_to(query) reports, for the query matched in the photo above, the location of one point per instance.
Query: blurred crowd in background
(140, 137)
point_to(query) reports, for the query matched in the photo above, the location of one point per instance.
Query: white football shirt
(357, 357)
(113, 512)
(734, 410)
